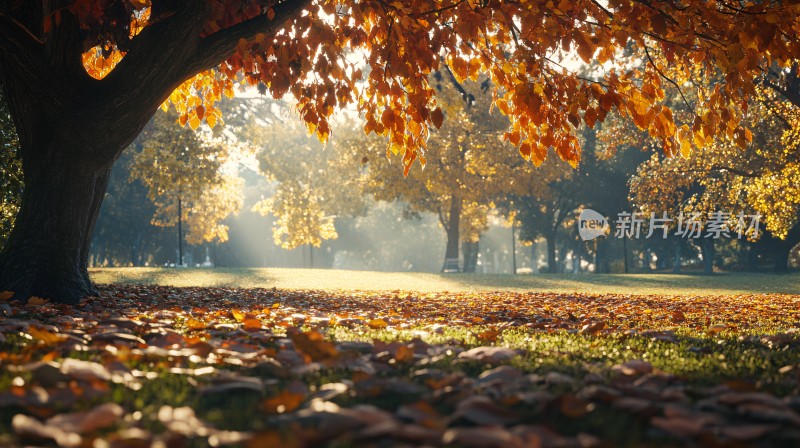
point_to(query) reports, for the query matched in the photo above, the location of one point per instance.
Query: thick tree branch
(221, 45)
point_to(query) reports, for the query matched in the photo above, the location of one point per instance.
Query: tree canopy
(311, 51)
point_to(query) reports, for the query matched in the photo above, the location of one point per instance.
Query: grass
(693, 362)
(688, 284)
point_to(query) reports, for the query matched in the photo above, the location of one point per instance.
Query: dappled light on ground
(274, 367)
(728, 283)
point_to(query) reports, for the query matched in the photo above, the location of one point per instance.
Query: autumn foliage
(524, 47)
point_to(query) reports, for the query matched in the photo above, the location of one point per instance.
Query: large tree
(83, 77)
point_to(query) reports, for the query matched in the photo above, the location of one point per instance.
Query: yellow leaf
(238, 315)
(194, 122)
(195, 324)
(376, 324)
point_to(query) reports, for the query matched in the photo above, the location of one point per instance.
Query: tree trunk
(782, 258)
(785, 249)
(470, 251)
(676, 262)
(48, 251)
(707, 248)
(552, 264)
(453, 235)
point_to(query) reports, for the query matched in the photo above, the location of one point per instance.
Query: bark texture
(72, 127)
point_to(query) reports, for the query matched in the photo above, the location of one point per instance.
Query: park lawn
(390, 366)
(329, 279)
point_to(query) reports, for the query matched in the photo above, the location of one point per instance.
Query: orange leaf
(437, 117)
(45, 336)
(313, 345)
(251, 323)
(36, 301)
(593, 328)
(678, 317)
(488, 335)
(5, 295)
(404, 354)
(286, 401)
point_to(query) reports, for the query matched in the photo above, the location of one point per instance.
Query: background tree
(177, 165)
(315, 184)
(721, 177)
(124, 234)
(468, 168)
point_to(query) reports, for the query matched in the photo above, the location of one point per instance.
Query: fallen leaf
(237, 315)
(314, 345)
(251, 324)
(481, 437)
(634, 367)
(285, 401)
(488, 335)
(421, 413)
(194, 324)
(594, 328)
(481, 410)
(746, 432)
(573, 406)
(716, 329)
(99, 417)
(678, 427)
(45, 336)
(488, 354)
(37, 301)
(377, 324)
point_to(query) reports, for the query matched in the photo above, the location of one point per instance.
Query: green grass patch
(328, 279)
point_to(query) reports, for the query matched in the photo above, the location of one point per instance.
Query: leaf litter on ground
(153, 365)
